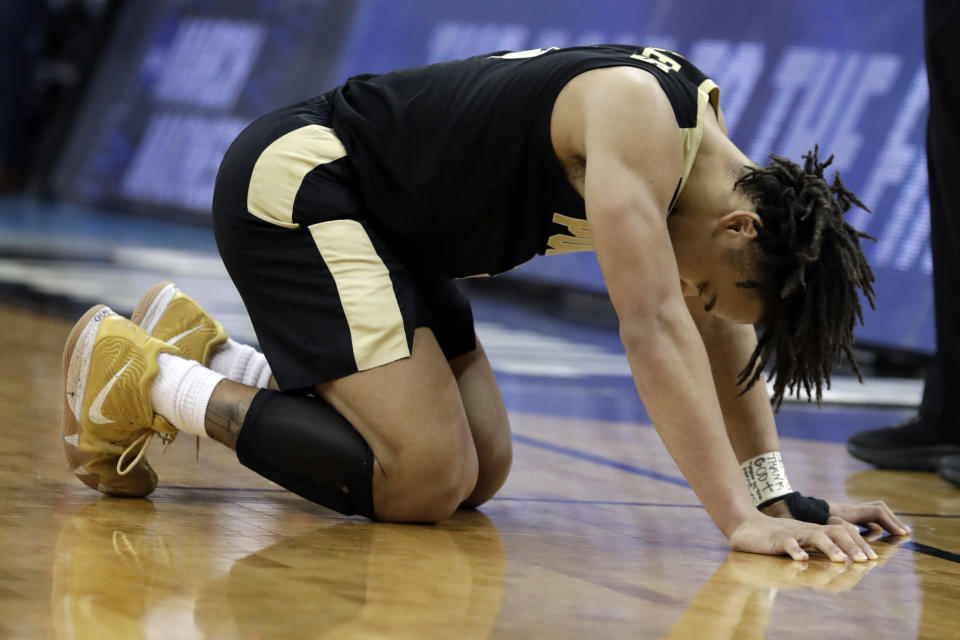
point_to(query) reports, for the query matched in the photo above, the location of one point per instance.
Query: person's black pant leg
(940, 405)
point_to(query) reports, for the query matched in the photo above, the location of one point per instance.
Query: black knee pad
(305, 445)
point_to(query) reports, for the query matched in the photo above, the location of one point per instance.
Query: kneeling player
(343, 221)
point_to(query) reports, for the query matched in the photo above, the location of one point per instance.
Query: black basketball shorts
(325, 293)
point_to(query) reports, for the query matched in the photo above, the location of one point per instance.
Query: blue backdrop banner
(181, 78)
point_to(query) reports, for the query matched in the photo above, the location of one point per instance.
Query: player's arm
(633, 162)
(632, 150)
(749, 419)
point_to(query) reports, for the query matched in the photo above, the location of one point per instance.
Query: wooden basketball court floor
(594, 534)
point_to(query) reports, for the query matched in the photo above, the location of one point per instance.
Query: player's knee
(446, 486)
(494, 469)
(429, 483)
(435, 505)
(435, 493)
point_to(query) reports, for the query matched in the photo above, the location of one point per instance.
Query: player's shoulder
(615, 83)
(617, 97)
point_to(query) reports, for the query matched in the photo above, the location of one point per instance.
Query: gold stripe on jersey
(281, 168)
(366, 292)
(708, 94)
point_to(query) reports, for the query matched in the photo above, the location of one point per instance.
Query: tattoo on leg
(226, 410)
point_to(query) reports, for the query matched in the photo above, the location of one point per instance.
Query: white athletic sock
(241, 363)
(181, 391)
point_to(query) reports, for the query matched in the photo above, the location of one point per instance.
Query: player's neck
(709, 191)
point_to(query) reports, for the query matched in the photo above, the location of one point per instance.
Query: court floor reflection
(364, 580)
(737, 601)
(118, 575)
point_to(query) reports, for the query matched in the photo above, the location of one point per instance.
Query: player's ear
(737, 228)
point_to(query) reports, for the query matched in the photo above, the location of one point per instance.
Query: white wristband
(766, 478)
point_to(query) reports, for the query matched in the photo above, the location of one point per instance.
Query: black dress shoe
(912, 446)
(950, 469)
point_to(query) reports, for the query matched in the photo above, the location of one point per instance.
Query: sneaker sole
(912, 459)
(152, 305)
(75, 371)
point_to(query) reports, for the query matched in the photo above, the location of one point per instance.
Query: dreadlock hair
(810, 265)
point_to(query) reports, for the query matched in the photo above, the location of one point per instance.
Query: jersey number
(658, 58)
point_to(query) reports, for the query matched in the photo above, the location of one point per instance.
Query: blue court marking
(614, 503)
(606, 462)
(628, 503)
(936, 552)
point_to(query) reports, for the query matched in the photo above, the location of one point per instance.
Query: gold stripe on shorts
(366, 292)
(281, 168)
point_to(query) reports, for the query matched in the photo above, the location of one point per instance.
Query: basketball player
(344, 220)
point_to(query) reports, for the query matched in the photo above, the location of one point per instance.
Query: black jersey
(455, 161)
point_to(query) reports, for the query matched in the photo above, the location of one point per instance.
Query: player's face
(711, 260)
(722, 297)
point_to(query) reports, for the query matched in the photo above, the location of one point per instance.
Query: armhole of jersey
(710, 87)
(708, 94)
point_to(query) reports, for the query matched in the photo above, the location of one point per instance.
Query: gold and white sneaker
(167, 313)
(108, 366)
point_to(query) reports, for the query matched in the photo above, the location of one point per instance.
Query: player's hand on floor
(875, 515)
(781, 536)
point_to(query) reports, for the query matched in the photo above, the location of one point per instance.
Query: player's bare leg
(481, 397)
(411, 414)
(227, 410)
(488, 420)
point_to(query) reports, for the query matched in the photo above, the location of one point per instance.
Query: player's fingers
(891, 522)
(822, 541)
(861, 513)
(792, 548)
(854, 533)
(865, 547)
(876, 512)
(845, 541)
(881, 514)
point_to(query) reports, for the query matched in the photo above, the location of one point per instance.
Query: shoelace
(143, 441)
